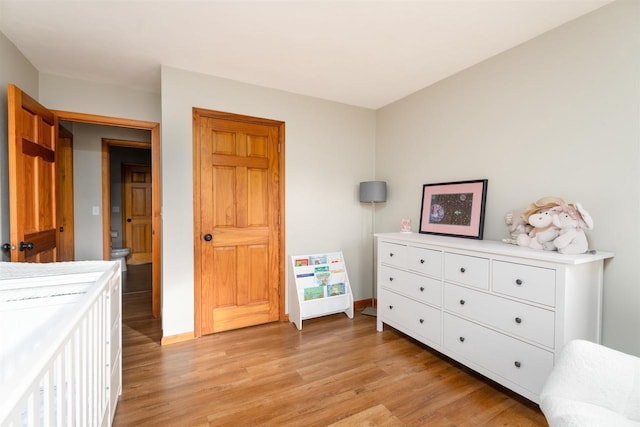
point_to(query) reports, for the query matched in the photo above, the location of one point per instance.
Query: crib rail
(66, 384)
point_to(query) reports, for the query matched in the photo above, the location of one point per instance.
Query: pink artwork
(454, 208)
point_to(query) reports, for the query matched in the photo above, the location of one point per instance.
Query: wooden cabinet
(502, 310)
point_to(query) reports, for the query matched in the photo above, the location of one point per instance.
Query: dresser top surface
(493, 247)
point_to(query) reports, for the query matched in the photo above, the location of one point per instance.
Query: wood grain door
(137, 208)
(237, 210)
(64, 178)
(32, 133)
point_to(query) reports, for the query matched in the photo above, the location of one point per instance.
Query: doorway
(154, 129)
(127, 185)
(32, 198)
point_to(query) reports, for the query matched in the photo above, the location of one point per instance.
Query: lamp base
(370, 311)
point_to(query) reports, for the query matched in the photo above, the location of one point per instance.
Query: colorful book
(317, 259)
(322, 275)
(314, 292)
(336, 289)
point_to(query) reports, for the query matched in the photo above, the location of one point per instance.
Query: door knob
(208, 237)
(128, 219)
(6, 247)
(27, 246)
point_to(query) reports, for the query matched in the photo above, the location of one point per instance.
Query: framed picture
(454, 208)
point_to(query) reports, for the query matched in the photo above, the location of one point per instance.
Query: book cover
(333, 259)
(301, 262)
(322, 275)
(336, 289)
(314, 292)
(317, 259)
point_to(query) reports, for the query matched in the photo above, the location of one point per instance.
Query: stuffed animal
(572, 221)
(544, 231)
(517, 225)
(539, 216)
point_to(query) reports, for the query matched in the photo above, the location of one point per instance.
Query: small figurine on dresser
(550, 224)
(405, 225)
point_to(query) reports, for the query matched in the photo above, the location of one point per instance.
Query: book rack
(318, 286)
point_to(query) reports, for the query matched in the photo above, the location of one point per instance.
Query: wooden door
(32, 133)
(64, 178)
(136, 205)
(237, 205)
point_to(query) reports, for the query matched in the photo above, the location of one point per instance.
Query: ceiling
(363, 53)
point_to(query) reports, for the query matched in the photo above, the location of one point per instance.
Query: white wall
(81, 96)
(329, 150)
(556, 116)
(87, 183)
(16, 69)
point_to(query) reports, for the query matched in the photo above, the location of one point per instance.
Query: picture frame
(454, 208)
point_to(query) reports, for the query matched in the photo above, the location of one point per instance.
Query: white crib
(60, 343)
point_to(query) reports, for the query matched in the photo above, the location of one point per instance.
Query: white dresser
(504, 311)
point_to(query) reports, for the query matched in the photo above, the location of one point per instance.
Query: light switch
(96, 210)
(115, 209)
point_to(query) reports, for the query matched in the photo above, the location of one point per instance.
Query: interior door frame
(156, 237)
(64, 195)
(107, 143)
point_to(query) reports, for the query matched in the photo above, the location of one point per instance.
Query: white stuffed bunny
(572, 221)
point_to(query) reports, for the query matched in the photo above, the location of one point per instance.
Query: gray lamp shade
(373, 191)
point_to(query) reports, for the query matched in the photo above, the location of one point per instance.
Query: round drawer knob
(391, 279)
(461, 339)
(462, 302)
(421, 320)
(390, 254)
(421, 288)
(390, 307)
(421, 261)
(462, 269)
(518, 320)
(518, 364)
(519, 282)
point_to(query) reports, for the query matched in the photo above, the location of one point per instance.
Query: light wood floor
(335, 372)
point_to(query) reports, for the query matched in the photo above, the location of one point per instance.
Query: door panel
(237, 203)
(64, 177)
(137, 218)
(32, 133)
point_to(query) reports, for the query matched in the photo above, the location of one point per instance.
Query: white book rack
(318, 286)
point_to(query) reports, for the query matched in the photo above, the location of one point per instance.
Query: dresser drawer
(425, 261)
(526, 282)
(392, 254)
(468, 270)
(424, 289)
(526, 321)
(422, 321)
(523, 364)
